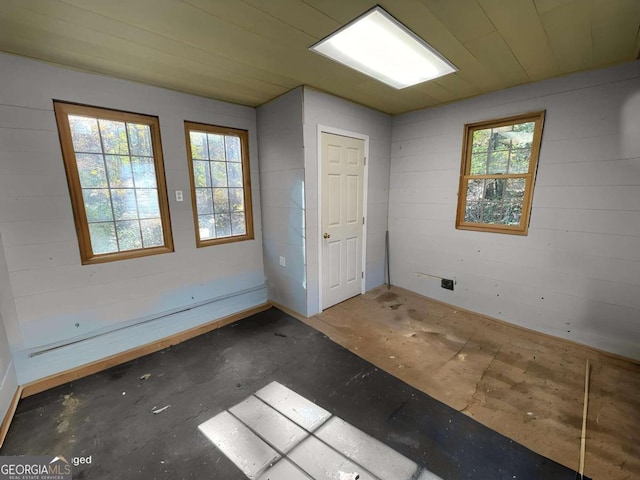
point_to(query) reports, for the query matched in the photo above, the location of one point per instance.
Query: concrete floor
(527, 386)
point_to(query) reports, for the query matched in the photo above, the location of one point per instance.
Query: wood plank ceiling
(250, 51)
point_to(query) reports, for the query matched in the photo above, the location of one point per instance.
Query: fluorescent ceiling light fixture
(378, 45)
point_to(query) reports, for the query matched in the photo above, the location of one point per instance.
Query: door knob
(327, 235)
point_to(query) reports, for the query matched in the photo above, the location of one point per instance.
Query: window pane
(144, 172)
(129, 237)
(498, 162)
(236, 199)
(233, 149)
(114, 137)
(204, 201)
(499, 213)
(198, 145)
(206, 227)
(220, 200)
(219, 174)
(472, 212)
(148, 206)
(235, 174)
(124, 204)
(91, 170)
(523, 134)
(492, 212)
(97, 205)
(84, 134)
(481, 140)
(223, 225)
(475, 190)
(151, 232)
(519, 139)
(500, 138)
(512, 213)
(201, 176)
(140, 139)
(515, 189)
(494, 188)
(119, 169)
(216, 147)
(238, 226)
(478, 163)
(519, 161)
(103, 238)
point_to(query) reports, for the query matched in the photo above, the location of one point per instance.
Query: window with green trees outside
(498, 171)
(115, 173)
(220, 183)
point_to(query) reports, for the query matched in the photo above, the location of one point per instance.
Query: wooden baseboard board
(6, 421)
(289, 312)
(57, 379)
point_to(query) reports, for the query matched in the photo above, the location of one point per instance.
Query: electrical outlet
(283, 261)
(447, 284)
(179, 197)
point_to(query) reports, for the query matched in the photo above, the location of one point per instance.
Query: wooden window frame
(88, 257)
(529, 176)
(246, 181)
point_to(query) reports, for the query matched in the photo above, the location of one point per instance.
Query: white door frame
(345, 133)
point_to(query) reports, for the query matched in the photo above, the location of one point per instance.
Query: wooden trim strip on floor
(583, 438)
(4, 427)
(291, 313)
(76, 373)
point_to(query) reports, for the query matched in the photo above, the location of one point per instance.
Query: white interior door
(342, 217)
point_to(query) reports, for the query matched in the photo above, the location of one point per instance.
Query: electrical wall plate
(447, 284)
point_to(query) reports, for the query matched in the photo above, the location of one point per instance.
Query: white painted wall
(55, 297)
(577, 274)
(8, 378)
(282, 190)
(324, 109)
(288, 141)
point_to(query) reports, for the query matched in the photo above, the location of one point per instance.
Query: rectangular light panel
(377, 45)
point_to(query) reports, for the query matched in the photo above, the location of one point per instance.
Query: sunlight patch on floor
(277, 434)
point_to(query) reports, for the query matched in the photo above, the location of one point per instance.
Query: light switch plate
(283, 261)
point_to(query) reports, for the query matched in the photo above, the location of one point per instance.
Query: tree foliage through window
(116, 181)
(498, 172)
(220, 180)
